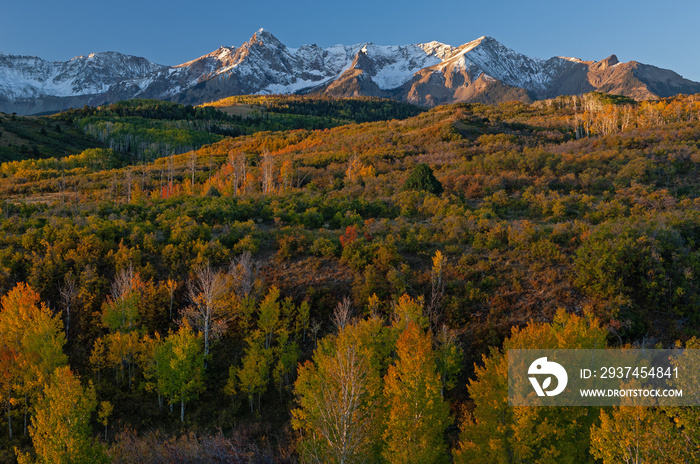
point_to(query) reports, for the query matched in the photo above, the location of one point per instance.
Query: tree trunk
(207, 323)
(26, 411)
(129, 372)
(206, 341)
(9, 416)
(182, 410)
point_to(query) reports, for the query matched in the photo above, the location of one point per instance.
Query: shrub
(422, 178)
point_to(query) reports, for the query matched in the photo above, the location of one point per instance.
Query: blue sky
(664, 34)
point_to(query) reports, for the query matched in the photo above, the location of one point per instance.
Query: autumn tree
(121, 352)
(103, 414)
(636, 435)
(407, 310)
(448, 356)
(498, 433)
(239, 163)
(69, 297)
(339, 396)
(286, 353)
(269, 312)
(33, 339)
(343, 313)
(663, 434)
(254, 373)
(287, 174)
(192, 161)
(98, 357)
(244, 275)
(271, 350)
(687, 418)
(148, 362)
(206, 291)
(61, 430)
(418, 415)
(120, 313)
(171, 285)
(437, 291)
(180, 367)
(8, 375)
(267, 168)
(357, 171)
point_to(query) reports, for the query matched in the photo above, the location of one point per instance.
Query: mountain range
(426, 74)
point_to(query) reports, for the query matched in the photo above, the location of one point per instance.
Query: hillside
(572, 217)
(33, 137)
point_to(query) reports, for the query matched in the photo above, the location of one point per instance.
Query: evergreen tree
(423, 179)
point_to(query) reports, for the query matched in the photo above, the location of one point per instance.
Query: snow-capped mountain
(482, 70)
(29, 77)
(29, 80)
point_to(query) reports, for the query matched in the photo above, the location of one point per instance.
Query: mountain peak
(101, 55)
(608, 62)
(486, 40)
(611, 60)
(265, 37)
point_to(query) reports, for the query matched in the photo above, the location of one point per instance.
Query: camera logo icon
(541, 367)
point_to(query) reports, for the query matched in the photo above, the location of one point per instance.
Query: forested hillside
(24, 137)
(317, 280)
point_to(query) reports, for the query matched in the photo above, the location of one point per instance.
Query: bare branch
(343, 313)
(206, 291)
(123, 282)
(69, 294)
(244, 274)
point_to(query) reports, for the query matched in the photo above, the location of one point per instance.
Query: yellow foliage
(60, 429)
(498, 433)
(418, 415)
(357, 170)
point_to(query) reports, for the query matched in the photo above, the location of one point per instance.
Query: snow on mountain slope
(261, 65)
(392, 66)
(31, 77)
(487, 55)
(429, 73)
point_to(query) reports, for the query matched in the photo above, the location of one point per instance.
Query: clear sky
(662, 33)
